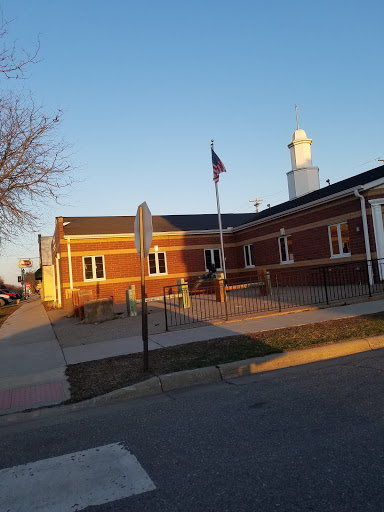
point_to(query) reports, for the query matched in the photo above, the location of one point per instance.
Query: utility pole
(256, 202)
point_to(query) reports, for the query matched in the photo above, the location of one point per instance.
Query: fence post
(278, 293)
(224, 281)
(369, 273)
(165, 310)
(325, 285)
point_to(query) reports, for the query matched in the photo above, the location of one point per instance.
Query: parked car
(6, 298)
(13, 295)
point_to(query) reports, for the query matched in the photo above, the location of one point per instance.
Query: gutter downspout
(366, 232)
(58, 279)
(69, 263)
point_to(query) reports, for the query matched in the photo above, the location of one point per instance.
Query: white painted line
(73, 482)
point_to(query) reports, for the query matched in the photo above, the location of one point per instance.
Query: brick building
(342, 222)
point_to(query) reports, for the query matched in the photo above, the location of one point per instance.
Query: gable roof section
(75, 226)
(78, 226)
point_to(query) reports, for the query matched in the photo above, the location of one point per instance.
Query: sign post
(23, 264)
(143, 240)
(23, 281)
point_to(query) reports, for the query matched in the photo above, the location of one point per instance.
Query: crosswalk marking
(70, 483)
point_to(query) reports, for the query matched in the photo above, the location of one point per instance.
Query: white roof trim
(159, 234)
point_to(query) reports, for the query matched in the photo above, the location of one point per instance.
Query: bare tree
(34, 165)
(13, 62)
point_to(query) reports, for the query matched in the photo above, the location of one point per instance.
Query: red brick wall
(308, 230)
(308, 244)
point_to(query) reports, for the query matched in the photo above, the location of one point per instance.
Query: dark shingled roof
(113, 225)
(202, 222)
(323, 193)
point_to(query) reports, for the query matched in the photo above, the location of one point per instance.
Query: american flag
(218, 167)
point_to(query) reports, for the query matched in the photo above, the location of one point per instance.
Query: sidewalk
(32, 363)
(132, 344)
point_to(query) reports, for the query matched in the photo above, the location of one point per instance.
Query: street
(308, 438)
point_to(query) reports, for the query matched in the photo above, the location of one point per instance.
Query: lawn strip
(95, 378)
(6, 311)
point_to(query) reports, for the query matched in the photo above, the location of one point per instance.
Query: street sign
(25, 263)
(143, 240)
(147, 229)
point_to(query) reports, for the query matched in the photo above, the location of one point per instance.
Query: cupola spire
(297, 118)
(303, 178)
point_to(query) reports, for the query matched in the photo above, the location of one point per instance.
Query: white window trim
(342, 254)
(377, 218)
(288, 262)
(213, 259)
(247, 249)
(157, 264)
(94, 269)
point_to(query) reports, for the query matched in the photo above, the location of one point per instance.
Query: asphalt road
(308, 438)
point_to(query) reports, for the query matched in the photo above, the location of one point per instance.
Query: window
(339, 240)
(212, 258)
(285, 248)
(157, 263)
(93, 267)
(249, 256)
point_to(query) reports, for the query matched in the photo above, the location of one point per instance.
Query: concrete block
(69, 307)
(187, 378)
(98, 310)
(83, 296)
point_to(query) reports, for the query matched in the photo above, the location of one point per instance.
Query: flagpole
(220, 225)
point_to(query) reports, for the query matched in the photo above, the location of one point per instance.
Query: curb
(293, 358)
(188, 378)
(147, 387)
(160, 384)
(222, 372)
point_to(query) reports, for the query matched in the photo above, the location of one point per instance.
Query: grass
(95, 378)
(6, 311)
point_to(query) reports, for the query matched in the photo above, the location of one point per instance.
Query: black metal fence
(202, 301)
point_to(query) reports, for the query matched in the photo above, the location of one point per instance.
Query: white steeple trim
(303, 177)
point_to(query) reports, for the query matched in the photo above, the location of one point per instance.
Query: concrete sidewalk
(132, 344)
(32, 364)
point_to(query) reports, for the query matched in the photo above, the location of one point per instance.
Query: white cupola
(304, 177)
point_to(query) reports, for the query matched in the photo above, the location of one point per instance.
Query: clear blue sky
(146, 85)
